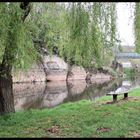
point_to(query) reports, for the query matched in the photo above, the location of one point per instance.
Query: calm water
(41, 95)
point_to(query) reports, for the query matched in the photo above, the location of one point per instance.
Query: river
(40, 95)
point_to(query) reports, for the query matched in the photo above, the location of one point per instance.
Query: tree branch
(27, 8)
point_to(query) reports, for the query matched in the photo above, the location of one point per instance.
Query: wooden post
(125, 95)
(114, 98)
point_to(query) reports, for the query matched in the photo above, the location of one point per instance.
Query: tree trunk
(6, 95)
(6, 83)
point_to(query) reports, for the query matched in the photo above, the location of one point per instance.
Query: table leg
(125, 95)
(114, 98)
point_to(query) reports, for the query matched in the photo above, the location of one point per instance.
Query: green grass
(80, 119)
(130, 73)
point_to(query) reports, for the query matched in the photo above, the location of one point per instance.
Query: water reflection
(54, 94)
(41, 95)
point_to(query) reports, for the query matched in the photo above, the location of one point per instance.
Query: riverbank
(79, 119)
(54, 68)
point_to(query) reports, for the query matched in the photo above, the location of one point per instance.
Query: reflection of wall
(39, 95)
(94, 90)
(26, 102)
(76, 87)
(26, 95)
(100, 78)
(53, 93)
(28, 89)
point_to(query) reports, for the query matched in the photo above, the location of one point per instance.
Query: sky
(125, 23)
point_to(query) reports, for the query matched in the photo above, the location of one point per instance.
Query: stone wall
(53, 68)
(56, 68)
(34, 74)
(76, 73)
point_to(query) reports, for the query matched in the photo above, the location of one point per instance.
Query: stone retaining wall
(55, 69)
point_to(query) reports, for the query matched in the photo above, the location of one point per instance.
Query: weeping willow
(4, 28)
(137, 27)
(83, 32)
(75, 34)
(88, 33)
(45, 20)
(16, 40)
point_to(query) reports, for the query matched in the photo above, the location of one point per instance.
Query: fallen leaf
(54, 129)
(103, 129)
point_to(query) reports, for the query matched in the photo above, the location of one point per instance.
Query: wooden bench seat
(115, 94)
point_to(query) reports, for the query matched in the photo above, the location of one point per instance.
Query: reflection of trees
(54, 93)
(32, 102)
(94, 90)
(40, 95)
(99, 90)
(28, 95)
(136, 80)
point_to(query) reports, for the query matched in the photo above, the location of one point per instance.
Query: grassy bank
(80, 119)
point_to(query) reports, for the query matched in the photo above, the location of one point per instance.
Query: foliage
(87, 37)
(129, 72)
(45, 23)
(84, 33)
(15, 37)
(137, 27)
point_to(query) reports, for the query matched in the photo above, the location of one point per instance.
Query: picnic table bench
(115, 94)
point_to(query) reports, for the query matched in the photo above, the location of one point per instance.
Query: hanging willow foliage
(4, 22)
(83, 32)
(137, 27)
(75, 35)
(88, 34)
(15, 37)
